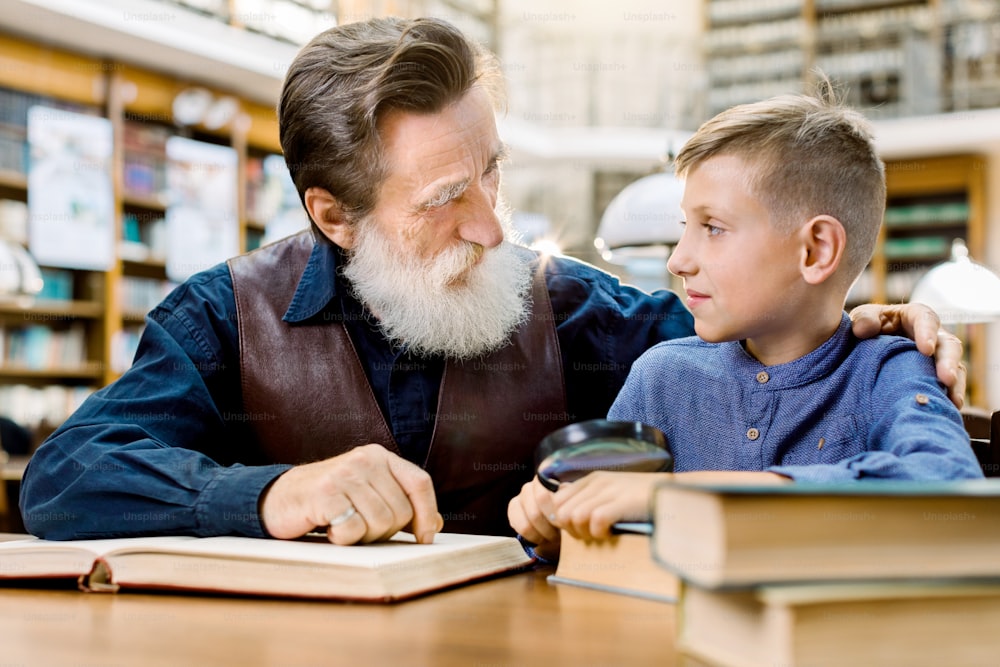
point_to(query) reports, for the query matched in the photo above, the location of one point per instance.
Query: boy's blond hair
(809, 156)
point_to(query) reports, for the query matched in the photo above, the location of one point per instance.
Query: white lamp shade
(960, 290)
(191, 104)
(646, 213)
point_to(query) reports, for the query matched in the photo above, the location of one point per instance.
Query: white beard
(441, 306)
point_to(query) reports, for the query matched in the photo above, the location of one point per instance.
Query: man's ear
(824, 243)
(329, 216)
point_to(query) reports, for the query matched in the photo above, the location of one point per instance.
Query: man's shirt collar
(318, 284)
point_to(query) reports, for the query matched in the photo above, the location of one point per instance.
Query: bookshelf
(52, 349)
(929, 203)
(893, 57)
(83, 334)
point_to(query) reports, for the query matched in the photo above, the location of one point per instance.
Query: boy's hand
(529, 514)
(588, 507)
(920, 324)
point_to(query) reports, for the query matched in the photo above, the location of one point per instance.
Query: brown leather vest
(307, 396)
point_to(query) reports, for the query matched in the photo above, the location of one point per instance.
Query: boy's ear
(329, 216)
(824, 243)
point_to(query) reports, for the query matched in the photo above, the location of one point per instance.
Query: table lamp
(963, 293)
(641, 224)
(960, 290)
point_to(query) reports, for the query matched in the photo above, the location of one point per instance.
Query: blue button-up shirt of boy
(165, 449)
(850, 409)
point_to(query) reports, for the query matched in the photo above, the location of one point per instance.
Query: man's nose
(480, 223)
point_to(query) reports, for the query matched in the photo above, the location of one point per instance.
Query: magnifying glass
(573, 451)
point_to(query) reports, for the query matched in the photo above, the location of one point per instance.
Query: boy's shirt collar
(817, 364)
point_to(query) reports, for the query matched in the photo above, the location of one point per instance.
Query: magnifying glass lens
(619, 454)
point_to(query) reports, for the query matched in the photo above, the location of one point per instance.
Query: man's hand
(364, 495)
(529, 513)
(921, 324)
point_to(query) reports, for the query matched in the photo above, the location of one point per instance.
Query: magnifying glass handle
(546, 482)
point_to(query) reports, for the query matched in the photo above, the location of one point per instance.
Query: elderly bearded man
(394, 366)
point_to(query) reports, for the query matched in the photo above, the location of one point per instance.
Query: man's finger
(866, 321)
(379, 516)
(914, 320)
(957, 392)
(397, 503)
(923, 326)
(346, 527)
(419, 490)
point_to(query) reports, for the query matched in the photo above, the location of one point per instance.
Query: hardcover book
(729, 535)
(310, 567)
(622, 564)
(868, 623)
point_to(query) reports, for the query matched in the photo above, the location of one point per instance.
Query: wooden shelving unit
(929, 203)
(893, 57)
(104, 304)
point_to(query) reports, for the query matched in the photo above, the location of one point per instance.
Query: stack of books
(871, 573)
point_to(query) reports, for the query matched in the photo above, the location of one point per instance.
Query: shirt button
(922, 399)
(753, 433)
(763, 377)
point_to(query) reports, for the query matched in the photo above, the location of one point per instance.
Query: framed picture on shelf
(71, 219)
(202, 227)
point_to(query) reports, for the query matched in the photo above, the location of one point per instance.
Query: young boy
(783, 200)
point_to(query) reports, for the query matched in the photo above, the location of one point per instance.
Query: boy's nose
(680, 263)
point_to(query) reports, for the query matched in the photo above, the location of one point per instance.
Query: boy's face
(740, 274)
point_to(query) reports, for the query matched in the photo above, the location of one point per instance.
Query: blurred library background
(138, 145)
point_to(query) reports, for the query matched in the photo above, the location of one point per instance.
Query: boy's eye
(713, 230)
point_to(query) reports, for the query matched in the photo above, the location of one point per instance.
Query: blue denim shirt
(165, 448)
(850, 409)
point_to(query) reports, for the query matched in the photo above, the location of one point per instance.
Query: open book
(309, 567)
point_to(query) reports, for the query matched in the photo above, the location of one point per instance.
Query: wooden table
(514, 620)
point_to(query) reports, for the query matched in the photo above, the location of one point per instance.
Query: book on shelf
(145, 157)
(310, 567)
(124, 345)
(621, 564)
(57, 284)
(41, 408)
(40, 347)
(719, 535)
(932, 247)
(927, 213)
(937, 622)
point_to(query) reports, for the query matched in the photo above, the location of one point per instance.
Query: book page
(401, 548)
(32, 557)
